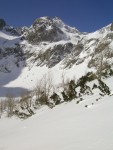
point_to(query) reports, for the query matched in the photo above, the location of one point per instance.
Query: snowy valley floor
(69, 126)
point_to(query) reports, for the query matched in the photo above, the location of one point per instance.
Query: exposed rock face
(10, 57)
(54, 55)
(45, 29)
(11, 30)
(2, 24)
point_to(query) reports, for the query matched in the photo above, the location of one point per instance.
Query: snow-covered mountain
(48, 64)
(50, 46)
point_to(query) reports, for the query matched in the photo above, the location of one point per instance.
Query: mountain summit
(46, 29)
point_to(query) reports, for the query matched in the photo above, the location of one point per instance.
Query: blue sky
(85, 15)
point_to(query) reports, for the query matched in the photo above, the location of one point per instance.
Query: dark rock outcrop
(45, 29)
(2, 24)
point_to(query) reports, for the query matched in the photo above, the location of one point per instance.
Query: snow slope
(68, 126)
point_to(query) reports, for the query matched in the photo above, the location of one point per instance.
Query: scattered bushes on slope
(44, 94)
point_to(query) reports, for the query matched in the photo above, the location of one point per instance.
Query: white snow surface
(69, 126)
(29, 77)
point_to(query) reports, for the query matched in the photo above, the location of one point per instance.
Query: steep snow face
(92, 46)
(9, 50)
(11, 57)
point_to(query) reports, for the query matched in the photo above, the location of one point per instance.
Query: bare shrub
(10, 105)
(26, 102)
(1, 108)
(44, 89)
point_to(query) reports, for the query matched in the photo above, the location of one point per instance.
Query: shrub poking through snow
(65, 97)
(56, 99)
(103, 87)
(69, 92)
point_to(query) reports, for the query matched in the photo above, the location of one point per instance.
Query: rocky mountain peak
(46, 29)
(42, 21)
(2, 23)
(48, 21)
